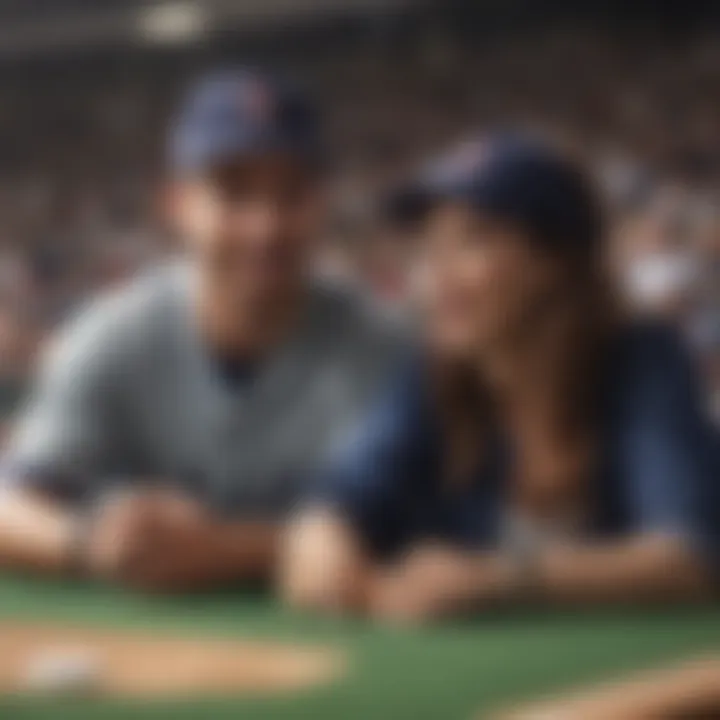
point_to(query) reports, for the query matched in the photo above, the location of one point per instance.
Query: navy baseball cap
(513, 177)
(243, 113)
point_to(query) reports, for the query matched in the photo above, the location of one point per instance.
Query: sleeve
(366, 478)
(64, 435)
(669, 449)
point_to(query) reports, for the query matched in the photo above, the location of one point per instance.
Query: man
(174, 420)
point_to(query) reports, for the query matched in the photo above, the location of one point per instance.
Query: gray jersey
(128, 394)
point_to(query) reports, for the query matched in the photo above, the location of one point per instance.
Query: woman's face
(476, 278)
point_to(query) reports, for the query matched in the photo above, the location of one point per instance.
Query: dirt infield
(689, 690)
(141, 665)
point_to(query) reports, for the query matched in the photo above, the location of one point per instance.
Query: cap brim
(217, 151)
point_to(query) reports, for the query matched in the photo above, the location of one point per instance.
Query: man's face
(251, 224)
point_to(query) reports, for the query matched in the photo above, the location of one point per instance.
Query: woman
(542, 447)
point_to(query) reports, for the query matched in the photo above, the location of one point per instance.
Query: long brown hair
(551, 411)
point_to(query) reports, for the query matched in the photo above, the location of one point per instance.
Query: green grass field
(448, 673)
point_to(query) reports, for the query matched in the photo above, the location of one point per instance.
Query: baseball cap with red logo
(240, 113)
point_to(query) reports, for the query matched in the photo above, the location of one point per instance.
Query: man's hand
(153, 540)
(434, 583)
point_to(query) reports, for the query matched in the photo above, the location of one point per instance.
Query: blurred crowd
(81, 147)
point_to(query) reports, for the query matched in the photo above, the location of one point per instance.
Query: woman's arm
(434, 583)
(357, 510)
(322, 565)
(665, 457)
(647, 568)
(668, 544)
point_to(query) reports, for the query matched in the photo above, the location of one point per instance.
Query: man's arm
(247, 550)
(36, 533)
(150, 540)
(173, 544)
(61, 444)
(55, 512)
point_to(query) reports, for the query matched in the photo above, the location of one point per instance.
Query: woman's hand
(322, 566)
(436, 582)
